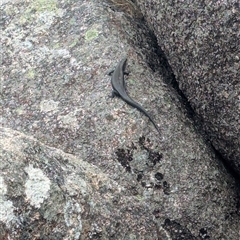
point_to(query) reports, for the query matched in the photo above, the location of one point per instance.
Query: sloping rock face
(201, 43)
(48, 194)
(76, 164)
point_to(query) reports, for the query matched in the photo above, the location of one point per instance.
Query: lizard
(119, 89)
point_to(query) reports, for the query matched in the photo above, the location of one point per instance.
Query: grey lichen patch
(69, 120)
(7, 208)
(21, 110)
(3, 186)
(44, 5)
(37, 186)
(91, 34)
(6, 211)
(48, 105)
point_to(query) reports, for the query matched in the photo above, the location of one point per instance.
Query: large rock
(48, 194)
(77, 164)
(201, 43)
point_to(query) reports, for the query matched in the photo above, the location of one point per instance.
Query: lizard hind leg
(114, 94)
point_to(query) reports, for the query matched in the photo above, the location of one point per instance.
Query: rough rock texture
(58, 122)
(201, 43)
(48, 194)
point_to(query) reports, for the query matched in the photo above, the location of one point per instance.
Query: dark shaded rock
(177, 231)
(201, 43)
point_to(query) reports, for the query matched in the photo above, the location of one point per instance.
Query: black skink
(119, 89)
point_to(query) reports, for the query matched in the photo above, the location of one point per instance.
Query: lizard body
(119, 89)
